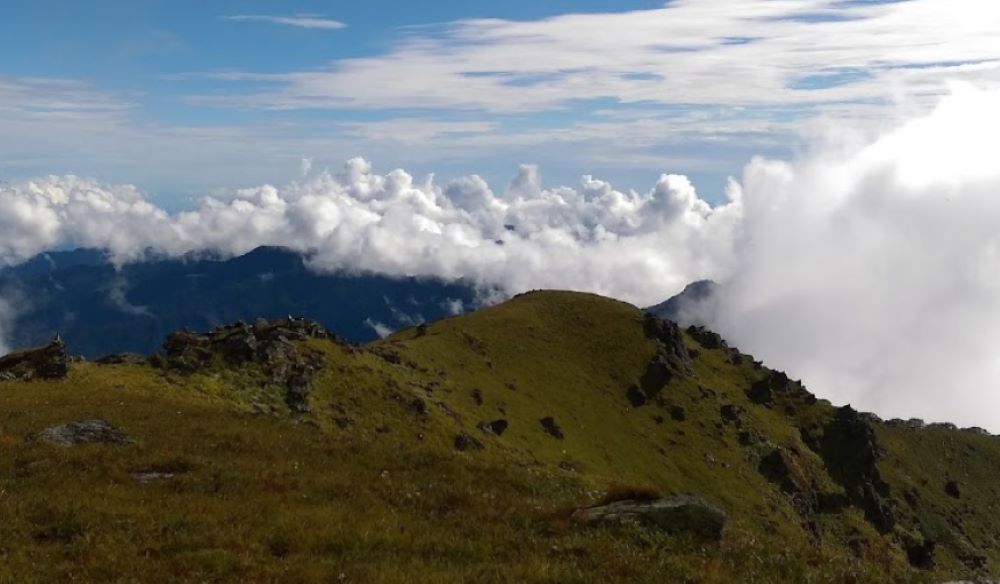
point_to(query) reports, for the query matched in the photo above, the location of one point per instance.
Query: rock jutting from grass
(48, 362)
(683, 514)
(465, 442)
(84, 432)
(496, 427)
(551, 427)
(269, 345)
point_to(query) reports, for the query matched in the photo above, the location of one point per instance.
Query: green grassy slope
(369, 486)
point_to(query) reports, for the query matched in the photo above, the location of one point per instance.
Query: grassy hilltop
(392, 470)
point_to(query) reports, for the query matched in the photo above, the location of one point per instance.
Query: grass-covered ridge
(224, 482)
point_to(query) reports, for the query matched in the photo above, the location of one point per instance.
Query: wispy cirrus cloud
(312, 21)
(734, 53)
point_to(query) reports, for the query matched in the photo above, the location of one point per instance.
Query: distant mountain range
(99, 310)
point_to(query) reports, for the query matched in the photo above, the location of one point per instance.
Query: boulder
(551, 428)
(84, 432)
(920, 552)
(49, 362)
(681, 515)
(496, 427)
(731, 414)
(465, 441)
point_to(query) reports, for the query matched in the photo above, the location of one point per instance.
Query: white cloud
(635, 245)
(311, 21)
(707, 52)
(380, 329)
(873, 272)
(118, 297)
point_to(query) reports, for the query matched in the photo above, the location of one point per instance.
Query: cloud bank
(873, 272)
(870, 268)
(632, 245)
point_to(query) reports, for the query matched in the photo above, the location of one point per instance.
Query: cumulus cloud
(874, 272)
(633, 245)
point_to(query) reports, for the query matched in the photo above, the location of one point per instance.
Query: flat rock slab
(84, 432)
(685, 514)
(147, 477)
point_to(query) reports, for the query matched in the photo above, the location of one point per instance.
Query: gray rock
(84, 432)
(147, 477)
(684, 514)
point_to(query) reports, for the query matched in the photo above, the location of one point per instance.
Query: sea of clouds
(870, 268)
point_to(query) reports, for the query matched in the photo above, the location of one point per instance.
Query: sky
(830, 163)
(184, 97)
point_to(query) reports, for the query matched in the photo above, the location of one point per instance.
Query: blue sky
(182, 98)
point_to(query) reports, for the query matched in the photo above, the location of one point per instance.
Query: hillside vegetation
(459, 451)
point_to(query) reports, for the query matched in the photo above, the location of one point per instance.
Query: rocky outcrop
(707, 338)
(850, 451)
(48, 362)
(685, 514)
(780, 468)
(269, 345)
(776, 385)
(84, 432)
(671, 360)
(672, 350)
